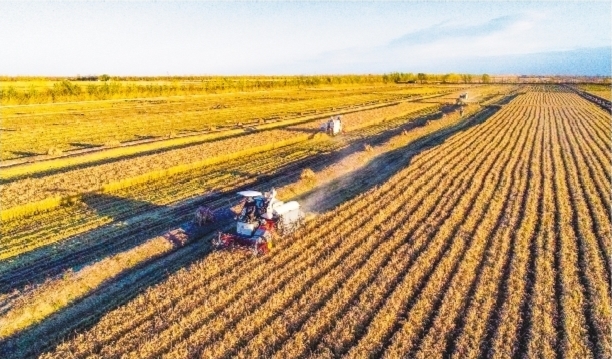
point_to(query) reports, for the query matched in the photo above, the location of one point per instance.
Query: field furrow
(513, 301)
(492, 233)
(593, 278)
(540, 324)
(575, 341)
(277, 333)
(460, 231)
(597, 201)
(475, 325)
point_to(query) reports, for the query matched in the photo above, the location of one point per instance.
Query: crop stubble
(493, 243)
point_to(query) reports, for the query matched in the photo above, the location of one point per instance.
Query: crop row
(416, 180)
(129, 171)
(152, 249)
(493, 243)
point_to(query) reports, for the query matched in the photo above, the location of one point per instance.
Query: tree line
(102, 87)
(422, 78)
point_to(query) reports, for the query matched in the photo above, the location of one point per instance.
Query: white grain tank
(288, 212)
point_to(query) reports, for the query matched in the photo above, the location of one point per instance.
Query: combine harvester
(262, 219)
(333, 126)
(462, 99)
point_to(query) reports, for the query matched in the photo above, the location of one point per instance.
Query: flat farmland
(38, 129)
(603, 91)
(429, 234)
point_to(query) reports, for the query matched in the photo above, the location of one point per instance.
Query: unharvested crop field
(603, 91)
(30, 130)
(430, 234)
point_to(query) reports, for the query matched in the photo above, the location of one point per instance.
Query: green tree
(104, 77)
(486, 79)
(422, 77)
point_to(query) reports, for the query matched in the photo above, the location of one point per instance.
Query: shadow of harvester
(82, 249)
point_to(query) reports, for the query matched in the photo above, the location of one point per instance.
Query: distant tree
(486, 79)
(104, 77)
(467, 78)
(422, 77)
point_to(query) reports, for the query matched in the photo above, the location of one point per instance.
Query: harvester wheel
(261, 248)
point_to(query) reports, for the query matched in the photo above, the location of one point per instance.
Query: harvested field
(431, 235)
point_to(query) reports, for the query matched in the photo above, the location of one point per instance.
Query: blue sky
(181, 38)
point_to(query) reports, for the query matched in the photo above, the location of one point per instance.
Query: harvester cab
(261, 220)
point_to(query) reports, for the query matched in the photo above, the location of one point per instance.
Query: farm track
(492, 243)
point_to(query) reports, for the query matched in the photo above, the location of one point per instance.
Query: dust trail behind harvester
(319, 191)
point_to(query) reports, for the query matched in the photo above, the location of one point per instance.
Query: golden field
(429, 233)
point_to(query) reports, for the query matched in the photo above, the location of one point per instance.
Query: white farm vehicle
(260, 221)
(333, 126)
(462, 99)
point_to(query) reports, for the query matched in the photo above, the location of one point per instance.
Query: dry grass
(307, 174)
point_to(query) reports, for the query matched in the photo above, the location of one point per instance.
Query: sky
(56, 38)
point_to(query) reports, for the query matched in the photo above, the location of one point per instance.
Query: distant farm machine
(261, 220)
(333, 126)
(462, 99)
